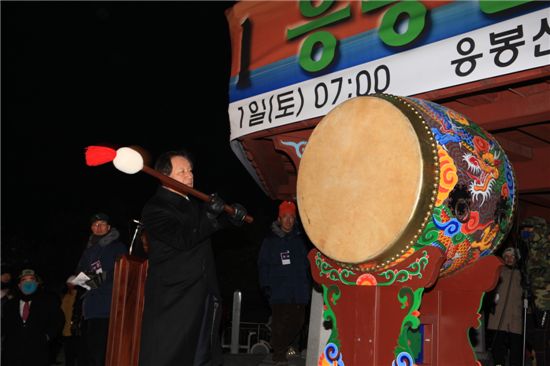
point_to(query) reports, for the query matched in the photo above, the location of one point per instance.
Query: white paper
(80, 280)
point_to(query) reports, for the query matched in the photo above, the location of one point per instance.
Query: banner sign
(358, 48)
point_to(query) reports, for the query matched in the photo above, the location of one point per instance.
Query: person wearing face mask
(182, 299)
(31, 319)
(285, 281)
(98, 262)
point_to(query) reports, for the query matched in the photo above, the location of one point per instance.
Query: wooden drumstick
(130, 161)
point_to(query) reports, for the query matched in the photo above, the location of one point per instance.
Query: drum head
(360, 180)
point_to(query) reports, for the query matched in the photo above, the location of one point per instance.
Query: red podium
(405, 315)
(126, 311)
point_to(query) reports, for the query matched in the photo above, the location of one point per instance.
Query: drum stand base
(405, 314)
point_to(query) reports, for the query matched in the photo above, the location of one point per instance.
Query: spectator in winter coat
(285, 280)
(31, 320)
(98, 262)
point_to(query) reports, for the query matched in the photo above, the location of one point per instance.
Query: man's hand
(215, 206)
(238, 216)
(96, 279)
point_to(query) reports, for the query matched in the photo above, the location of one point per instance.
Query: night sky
(151, 74)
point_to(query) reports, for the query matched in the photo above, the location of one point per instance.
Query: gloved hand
(238, 216)
(96, 279)
(215, 206)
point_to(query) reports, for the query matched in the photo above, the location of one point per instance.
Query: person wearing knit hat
(285, 281)
(98, 263)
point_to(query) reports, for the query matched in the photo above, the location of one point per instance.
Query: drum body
(384, 176)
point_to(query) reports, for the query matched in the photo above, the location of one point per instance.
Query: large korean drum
(384, 176)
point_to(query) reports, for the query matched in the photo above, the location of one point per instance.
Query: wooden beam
(534, 175)
(509, 111)
(514, 150)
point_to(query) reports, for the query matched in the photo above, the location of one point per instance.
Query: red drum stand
(404, 315)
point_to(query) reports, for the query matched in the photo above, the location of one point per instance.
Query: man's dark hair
(164, 163)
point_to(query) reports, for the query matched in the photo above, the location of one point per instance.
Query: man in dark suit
(181, 292)
(31, 319)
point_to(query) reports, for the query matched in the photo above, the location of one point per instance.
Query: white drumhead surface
(359, 179)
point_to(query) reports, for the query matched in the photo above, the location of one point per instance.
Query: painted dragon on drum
(482, 169)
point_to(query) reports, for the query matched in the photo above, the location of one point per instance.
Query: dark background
(153, 74)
